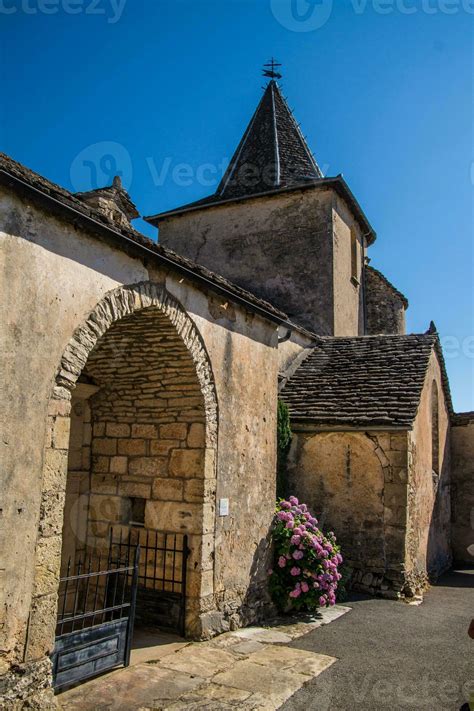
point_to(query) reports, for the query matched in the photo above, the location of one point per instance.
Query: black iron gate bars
(96, 614)
(161, 589)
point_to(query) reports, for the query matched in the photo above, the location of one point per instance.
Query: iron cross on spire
(269, 69)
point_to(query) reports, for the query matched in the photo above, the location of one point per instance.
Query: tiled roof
(61, 201)
(272, 152)
(362, 381)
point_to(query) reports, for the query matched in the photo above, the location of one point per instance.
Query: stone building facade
(370, 461)
(242, 237)
(280, 228)
(141, 388)
(144, 376)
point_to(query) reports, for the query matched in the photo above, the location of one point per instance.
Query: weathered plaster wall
(348, 289)
(378, 492)
(355, 483)
(53, 277)
(281, 248)
(462, 453)
(429, 484)
(385, 309)
(245, 359)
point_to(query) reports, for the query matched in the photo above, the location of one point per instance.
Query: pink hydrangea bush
(306, 572)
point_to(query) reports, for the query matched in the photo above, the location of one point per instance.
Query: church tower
(277, 227)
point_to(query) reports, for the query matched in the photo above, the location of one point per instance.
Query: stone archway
(121, 344)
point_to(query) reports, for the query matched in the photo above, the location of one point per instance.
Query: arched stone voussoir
(124, 301)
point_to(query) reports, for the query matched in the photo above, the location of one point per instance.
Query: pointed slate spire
(272, 153)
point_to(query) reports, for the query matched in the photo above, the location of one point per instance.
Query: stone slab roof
(272, 152)
(363, 381)
(61, 201)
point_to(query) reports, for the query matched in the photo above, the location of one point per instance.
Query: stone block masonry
(385, 305)
(148, 438)
(355, 482)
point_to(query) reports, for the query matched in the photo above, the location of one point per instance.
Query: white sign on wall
(223, 507)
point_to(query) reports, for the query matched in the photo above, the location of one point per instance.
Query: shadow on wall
(257, 605)
(438, 553)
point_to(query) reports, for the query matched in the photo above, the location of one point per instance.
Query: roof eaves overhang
(337, 182)
(87, 222)
(305, 424)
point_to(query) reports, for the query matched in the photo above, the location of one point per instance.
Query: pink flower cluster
(307, 561)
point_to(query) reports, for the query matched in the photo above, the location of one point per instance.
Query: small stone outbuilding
(371, 454)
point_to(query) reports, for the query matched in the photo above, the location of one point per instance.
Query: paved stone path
(250, 669)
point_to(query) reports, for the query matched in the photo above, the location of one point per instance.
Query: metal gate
(95, 616)
(161, 587)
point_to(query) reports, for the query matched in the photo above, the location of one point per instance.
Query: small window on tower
(354, 256)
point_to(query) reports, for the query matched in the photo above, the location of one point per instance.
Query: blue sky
(161, 91)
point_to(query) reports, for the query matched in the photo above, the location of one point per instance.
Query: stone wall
(385, 305)
(462, 453)
(355, 483)
(292, 249)
(132, 347)
(71, 275)
(429, 485)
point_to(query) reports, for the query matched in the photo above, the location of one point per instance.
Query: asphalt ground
(392, 655)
